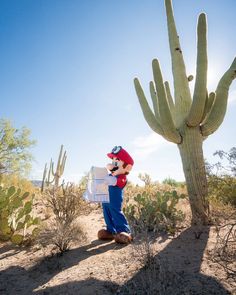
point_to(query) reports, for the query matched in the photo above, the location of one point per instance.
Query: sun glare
(214, 74)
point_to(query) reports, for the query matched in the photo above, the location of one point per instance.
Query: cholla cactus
(187, 120)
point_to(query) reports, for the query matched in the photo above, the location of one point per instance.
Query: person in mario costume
(117, 226)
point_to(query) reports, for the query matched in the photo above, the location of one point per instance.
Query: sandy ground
(182, 266)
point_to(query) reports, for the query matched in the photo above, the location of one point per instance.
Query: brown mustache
(114, 169)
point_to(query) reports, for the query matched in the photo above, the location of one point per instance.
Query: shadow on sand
(18, 280)
(177, 271)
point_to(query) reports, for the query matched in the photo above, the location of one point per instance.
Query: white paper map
(97, 190)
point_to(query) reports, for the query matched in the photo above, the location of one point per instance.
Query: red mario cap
(120, 153)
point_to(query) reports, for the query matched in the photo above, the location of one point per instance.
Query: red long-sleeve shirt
(121, 180)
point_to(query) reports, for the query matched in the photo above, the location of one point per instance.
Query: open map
(97, 191)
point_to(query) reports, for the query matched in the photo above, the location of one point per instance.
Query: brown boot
(104, 234)
(123, 238)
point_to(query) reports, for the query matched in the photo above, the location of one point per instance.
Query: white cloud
(144, 146)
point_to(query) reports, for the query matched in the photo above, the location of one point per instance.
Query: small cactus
(15, 216)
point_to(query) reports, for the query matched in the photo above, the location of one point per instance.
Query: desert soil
(181, 265)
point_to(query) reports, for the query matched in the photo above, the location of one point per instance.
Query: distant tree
(230, 157)
(15, 156)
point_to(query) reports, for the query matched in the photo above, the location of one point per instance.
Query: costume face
(122, 162)
(117, 167)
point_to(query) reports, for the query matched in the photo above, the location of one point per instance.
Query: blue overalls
(113, 215)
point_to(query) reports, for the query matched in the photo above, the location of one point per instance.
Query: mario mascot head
(122, 162)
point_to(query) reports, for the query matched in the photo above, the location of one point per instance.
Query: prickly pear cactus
(183, 119)
(15, 216)
(154, 212)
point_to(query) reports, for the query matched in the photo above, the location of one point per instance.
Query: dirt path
(107, 268)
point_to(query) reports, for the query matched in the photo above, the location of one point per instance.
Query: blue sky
(67, 69)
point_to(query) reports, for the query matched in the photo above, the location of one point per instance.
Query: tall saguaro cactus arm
(170, 99)
(154, 101)
(200, 89)
(182, 91)
(147, 112)
(167, 122)
(60, 166)
(208, 104)
(217, 112)
(61, 161)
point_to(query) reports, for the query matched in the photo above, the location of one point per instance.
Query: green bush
(154, 212)
(222, 189)
(222, 178)
(173, 183)
(16, 222)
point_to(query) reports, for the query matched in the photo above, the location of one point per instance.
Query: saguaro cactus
(187, 120)
(57, 174)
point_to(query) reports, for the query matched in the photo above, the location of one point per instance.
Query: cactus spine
(187, 120)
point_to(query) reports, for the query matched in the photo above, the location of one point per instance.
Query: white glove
(110, 180)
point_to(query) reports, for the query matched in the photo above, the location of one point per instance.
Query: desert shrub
(173, 183)
(222, 178)
(66, 204)
(132, 190)
(17, 222)
(146, 178)
(154, 211)
(224, 252)
(170, 181)
(222, 194)
(222, 189)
